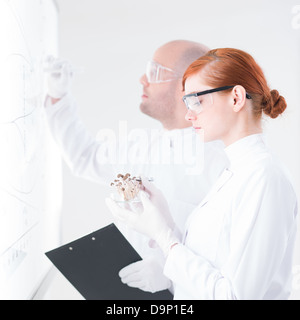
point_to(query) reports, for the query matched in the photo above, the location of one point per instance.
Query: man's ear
(238, 98)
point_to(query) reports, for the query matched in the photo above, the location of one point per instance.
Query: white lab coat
(92, 159)
(239, 241)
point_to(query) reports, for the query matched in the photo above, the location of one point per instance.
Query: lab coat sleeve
(261, 244)
(86, 157)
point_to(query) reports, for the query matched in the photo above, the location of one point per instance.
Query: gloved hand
(158, 200)
(59, 78)
(154, 221)
(146, 275)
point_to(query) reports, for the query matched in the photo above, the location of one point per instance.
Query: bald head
(163, 101)
(179, 54)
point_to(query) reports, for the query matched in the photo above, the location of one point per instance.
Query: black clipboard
(92, 264)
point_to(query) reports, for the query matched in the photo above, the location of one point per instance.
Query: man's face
(159, 99)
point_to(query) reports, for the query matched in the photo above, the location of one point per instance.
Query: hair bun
(275, 104)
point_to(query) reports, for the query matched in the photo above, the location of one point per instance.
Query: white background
(114, 39)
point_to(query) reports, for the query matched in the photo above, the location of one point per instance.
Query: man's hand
(59, 78)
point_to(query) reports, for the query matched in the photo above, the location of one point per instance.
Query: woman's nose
(190, 116)
(144, 80)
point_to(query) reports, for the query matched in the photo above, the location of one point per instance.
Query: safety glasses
(194, 103)
(156, 73)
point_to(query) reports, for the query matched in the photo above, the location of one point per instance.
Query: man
(164, 155)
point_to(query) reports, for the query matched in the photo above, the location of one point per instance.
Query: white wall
(113, 40)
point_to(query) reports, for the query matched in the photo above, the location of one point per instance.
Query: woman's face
(216, 118)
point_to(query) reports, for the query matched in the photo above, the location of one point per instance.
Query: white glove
(146, 275)
(60, 77)
(152, 222)
(158, 200)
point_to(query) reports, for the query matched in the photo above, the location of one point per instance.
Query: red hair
(230, 67)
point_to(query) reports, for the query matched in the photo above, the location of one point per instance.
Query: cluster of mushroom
(127, 187)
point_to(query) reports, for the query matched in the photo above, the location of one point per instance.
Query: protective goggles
(194, 103)
(156, 73)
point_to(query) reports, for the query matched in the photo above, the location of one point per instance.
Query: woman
(238, 242)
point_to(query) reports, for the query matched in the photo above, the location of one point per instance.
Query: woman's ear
(238, 98)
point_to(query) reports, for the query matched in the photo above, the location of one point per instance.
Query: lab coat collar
(174, 132)
(242, 150)
(172, 135)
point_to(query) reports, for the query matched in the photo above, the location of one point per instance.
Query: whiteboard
(30, 165)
